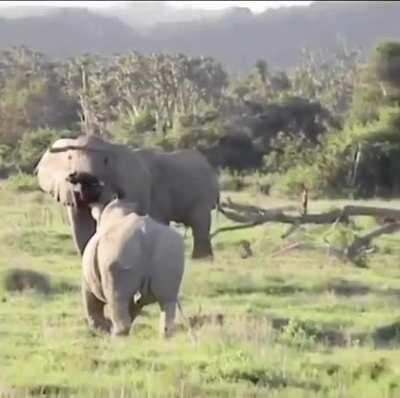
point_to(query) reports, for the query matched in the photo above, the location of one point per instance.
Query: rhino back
(165, 248)
(120, 243)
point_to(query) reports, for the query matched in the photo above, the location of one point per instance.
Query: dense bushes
(333, 126)
(33, 145)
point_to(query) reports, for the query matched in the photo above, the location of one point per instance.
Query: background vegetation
(332, 123)
(301, 324)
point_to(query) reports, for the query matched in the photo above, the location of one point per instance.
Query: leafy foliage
(331, 123)
(32, 147)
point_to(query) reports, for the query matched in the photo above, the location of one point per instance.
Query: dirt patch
(22, 279)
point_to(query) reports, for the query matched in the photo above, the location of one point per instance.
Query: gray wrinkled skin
(179, 186)
(130, 255)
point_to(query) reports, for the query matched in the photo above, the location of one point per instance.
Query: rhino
(131, 261)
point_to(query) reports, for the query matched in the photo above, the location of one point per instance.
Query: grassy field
(298, 325)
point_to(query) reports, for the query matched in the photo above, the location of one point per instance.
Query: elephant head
(97, 195)
(86, 187)
(85, 155)
(124, 173)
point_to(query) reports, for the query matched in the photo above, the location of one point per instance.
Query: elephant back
(186, 178)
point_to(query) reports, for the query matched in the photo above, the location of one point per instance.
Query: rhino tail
(192, 334)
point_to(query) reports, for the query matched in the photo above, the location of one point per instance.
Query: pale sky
(255, 6)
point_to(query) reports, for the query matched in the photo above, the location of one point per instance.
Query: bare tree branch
(249, 216)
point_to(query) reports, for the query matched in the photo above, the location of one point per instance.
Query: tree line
(331, 123)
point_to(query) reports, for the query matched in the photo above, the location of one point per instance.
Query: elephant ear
(52, 172)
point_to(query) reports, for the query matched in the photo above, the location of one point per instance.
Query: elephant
(130, 255)
(178, 186)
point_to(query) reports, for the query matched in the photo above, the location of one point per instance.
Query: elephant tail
(192, 334)
(217, 208)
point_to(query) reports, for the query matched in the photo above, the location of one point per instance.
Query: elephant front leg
(167, 319)
(94, 311)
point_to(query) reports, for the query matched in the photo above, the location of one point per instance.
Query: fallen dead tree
(248, 216)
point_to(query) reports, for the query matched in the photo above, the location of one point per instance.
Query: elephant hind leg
(201, 224)
(167, 319)
(94, 309)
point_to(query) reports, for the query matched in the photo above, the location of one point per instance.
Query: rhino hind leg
(94, 309)
(167, 319)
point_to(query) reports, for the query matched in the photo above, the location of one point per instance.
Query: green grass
(297, 325)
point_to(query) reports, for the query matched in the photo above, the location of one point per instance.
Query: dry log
(253, 215)
(249, 216)
(362, 243)
(352, 252)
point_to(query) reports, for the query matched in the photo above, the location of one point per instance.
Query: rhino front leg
(167, 319)
(94, 311)
(120, 316)
(119, 286)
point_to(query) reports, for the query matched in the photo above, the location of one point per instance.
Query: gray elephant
(180, 186)
(128, 255)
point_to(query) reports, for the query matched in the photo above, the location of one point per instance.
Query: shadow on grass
(131, 362)
(21, 280)
(329, 336)
(275, 290)
(338, 286)
(44, 390)
(60, 391)
(382, 337)
(387, 336)
(265, 378)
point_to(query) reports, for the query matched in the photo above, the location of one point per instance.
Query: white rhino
(129, 255)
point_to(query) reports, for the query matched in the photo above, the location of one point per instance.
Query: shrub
(22, 183)
(6, 159)
(289, 184)
(33, 145)
(135, 131)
